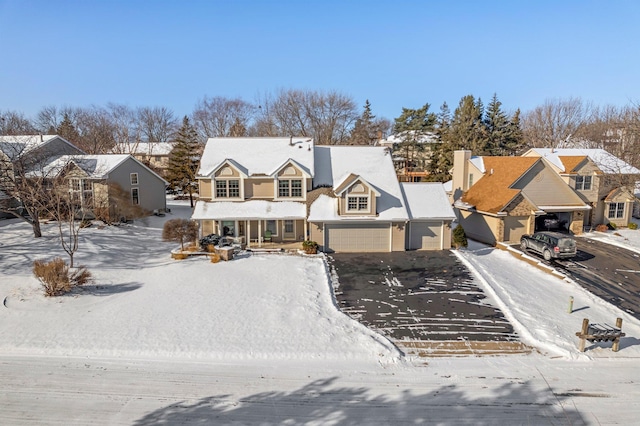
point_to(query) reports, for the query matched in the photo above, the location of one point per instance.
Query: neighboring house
(38, 147)
(111, 186)
(286, 189)
(602, 180)
(27, 153)
(411, 166)
(152, 154)
(499, 199)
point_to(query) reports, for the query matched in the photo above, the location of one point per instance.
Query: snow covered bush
(57, 279)
(633, 225)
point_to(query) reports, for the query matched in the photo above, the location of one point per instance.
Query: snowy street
(472, 391)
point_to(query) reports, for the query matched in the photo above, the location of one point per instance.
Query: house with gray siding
(112, 186)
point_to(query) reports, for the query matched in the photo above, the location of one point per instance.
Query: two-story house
(110, 186)
(21, 154)
(499, 199)
(286, 189)
(602, 180)
(255, 188)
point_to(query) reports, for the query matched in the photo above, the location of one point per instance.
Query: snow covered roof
(258, 156)
(252, 209)
(146, 148)
(427, 200)
(478, 162)
(606, 161)
(334, 164)
(428, 137)
(95, 166)
(14, 146)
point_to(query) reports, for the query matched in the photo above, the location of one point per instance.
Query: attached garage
(425, 235)
(358, 237)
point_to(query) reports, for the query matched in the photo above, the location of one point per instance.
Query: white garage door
(354, 237)
(426, 236)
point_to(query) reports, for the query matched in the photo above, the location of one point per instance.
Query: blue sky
(394, 53)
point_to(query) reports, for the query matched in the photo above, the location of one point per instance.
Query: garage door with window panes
(353, 237)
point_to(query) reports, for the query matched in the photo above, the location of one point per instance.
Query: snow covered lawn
(144, 304)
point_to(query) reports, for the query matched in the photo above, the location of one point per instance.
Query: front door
(289, 230)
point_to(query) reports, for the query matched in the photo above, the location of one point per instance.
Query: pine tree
(498, 128)
(67, 130)
(411, 128)
(439, 165)
(183, 159)
(365, 130)
(468, 130)
(515, 139)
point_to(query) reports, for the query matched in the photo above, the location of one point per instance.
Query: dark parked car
(551, 245)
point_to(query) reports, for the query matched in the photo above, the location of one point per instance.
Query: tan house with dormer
(499, 199)
(603, 181)
(345, 198)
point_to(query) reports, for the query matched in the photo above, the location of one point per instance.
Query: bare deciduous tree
(24, 183)
(326, 117)
(554, 123)
(156, 124)
(125, 132)
(180, 230)
(222, 117)
(68, 213)
(15, 123)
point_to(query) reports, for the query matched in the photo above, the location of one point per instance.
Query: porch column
(248, 234)
(259, 233)
(304, 237)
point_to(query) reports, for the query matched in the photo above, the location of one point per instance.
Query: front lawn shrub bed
(57, 279)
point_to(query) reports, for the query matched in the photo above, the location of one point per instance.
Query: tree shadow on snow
(110, 289)
(321, 402)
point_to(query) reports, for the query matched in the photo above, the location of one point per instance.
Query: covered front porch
(255, 223)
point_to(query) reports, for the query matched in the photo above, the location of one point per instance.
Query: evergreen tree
(365, 130)
(515, 140)
(468, 130)
(498, 128)
(183, 159)
(411, 128)
(68, 130)
(439, 165)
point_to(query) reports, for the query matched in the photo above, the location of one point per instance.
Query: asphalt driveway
(417, 295)
(610, 272)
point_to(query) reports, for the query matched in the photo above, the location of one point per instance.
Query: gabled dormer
(291, 181)
(227, 182)
(356, 196)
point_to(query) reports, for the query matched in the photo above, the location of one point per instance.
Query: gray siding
(150, 186)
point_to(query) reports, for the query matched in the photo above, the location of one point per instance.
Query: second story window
(134, 178)
(357, 204)
(227, 188)
(290, 188)
(583, 183)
